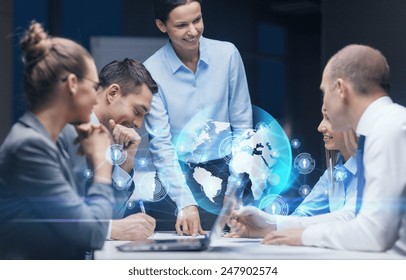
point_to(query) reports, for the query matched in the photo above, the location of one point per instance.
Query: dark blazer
(41, 214)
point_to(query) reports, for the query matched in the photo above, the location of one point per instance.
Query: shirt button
(195, 84)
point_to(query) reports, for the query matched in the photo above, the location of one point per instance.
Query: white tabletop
(240, 248)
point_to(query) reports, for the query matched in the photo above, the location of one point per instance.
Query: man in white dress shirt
(356, 87)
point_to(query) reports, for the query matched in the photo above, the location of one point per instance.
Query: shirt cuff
(311, 236)
(191, 202)
(130, 178)
(120, 176)
(108, 236)
(286, 222)
(184, 198)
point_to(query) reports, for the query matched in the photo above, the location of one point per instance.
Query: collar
(351, 165)
(175, 63)
(371, 115)
(94, 119)
(30, 119)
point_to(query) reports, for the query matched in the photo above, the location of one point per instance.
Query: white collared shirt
(381, 222)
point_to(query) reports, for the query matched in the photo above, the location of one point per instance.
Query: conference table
(238, 249)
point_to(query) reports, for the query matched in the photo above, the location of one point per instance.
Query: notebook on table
(199, 243)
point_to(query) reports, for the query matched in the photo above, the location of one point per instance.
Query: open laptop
(188, 244)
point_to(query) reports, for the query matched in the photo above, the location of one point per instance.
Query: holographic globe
(263, 153)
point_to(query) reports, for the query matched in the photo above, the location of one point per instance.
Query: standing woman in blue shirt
(194, 74)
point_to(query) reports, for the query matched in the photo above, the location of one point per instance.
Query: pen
(142, 207)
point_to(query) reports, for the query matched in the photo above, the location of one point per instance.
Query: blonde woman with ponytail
(41, 214)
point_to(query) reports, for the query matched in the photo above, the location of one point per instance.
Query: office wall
(272, 86)
(281, 54)
(82, 19)
(283, 81)
(285, 84)
(276, 80)
(228, 20)
(6, 51)
(74, 19)
(381, 24)
(24, 12)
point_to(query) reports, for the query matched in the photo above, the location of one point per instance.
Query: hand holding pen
(142, 207)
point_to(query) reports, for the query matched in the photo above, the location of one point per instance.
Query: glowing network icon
(275, 154)
(119, 183)
(304, 163)
(142, 162)
(131, 204)
(295, 143)
(181, 149)
(225, 148)
(88, 173)
(239, 183)
(275, 205)
(340, 174)
(304, 190)
(116, 154)
(158, 131)
(151, 181)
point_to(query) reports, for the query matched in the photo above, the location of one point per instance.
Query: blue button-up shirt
(332, 193)
(218, 88)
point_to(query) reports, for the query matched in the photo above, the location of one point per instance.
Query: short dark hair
(162, 8)
(129, 74)
(364, 66)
